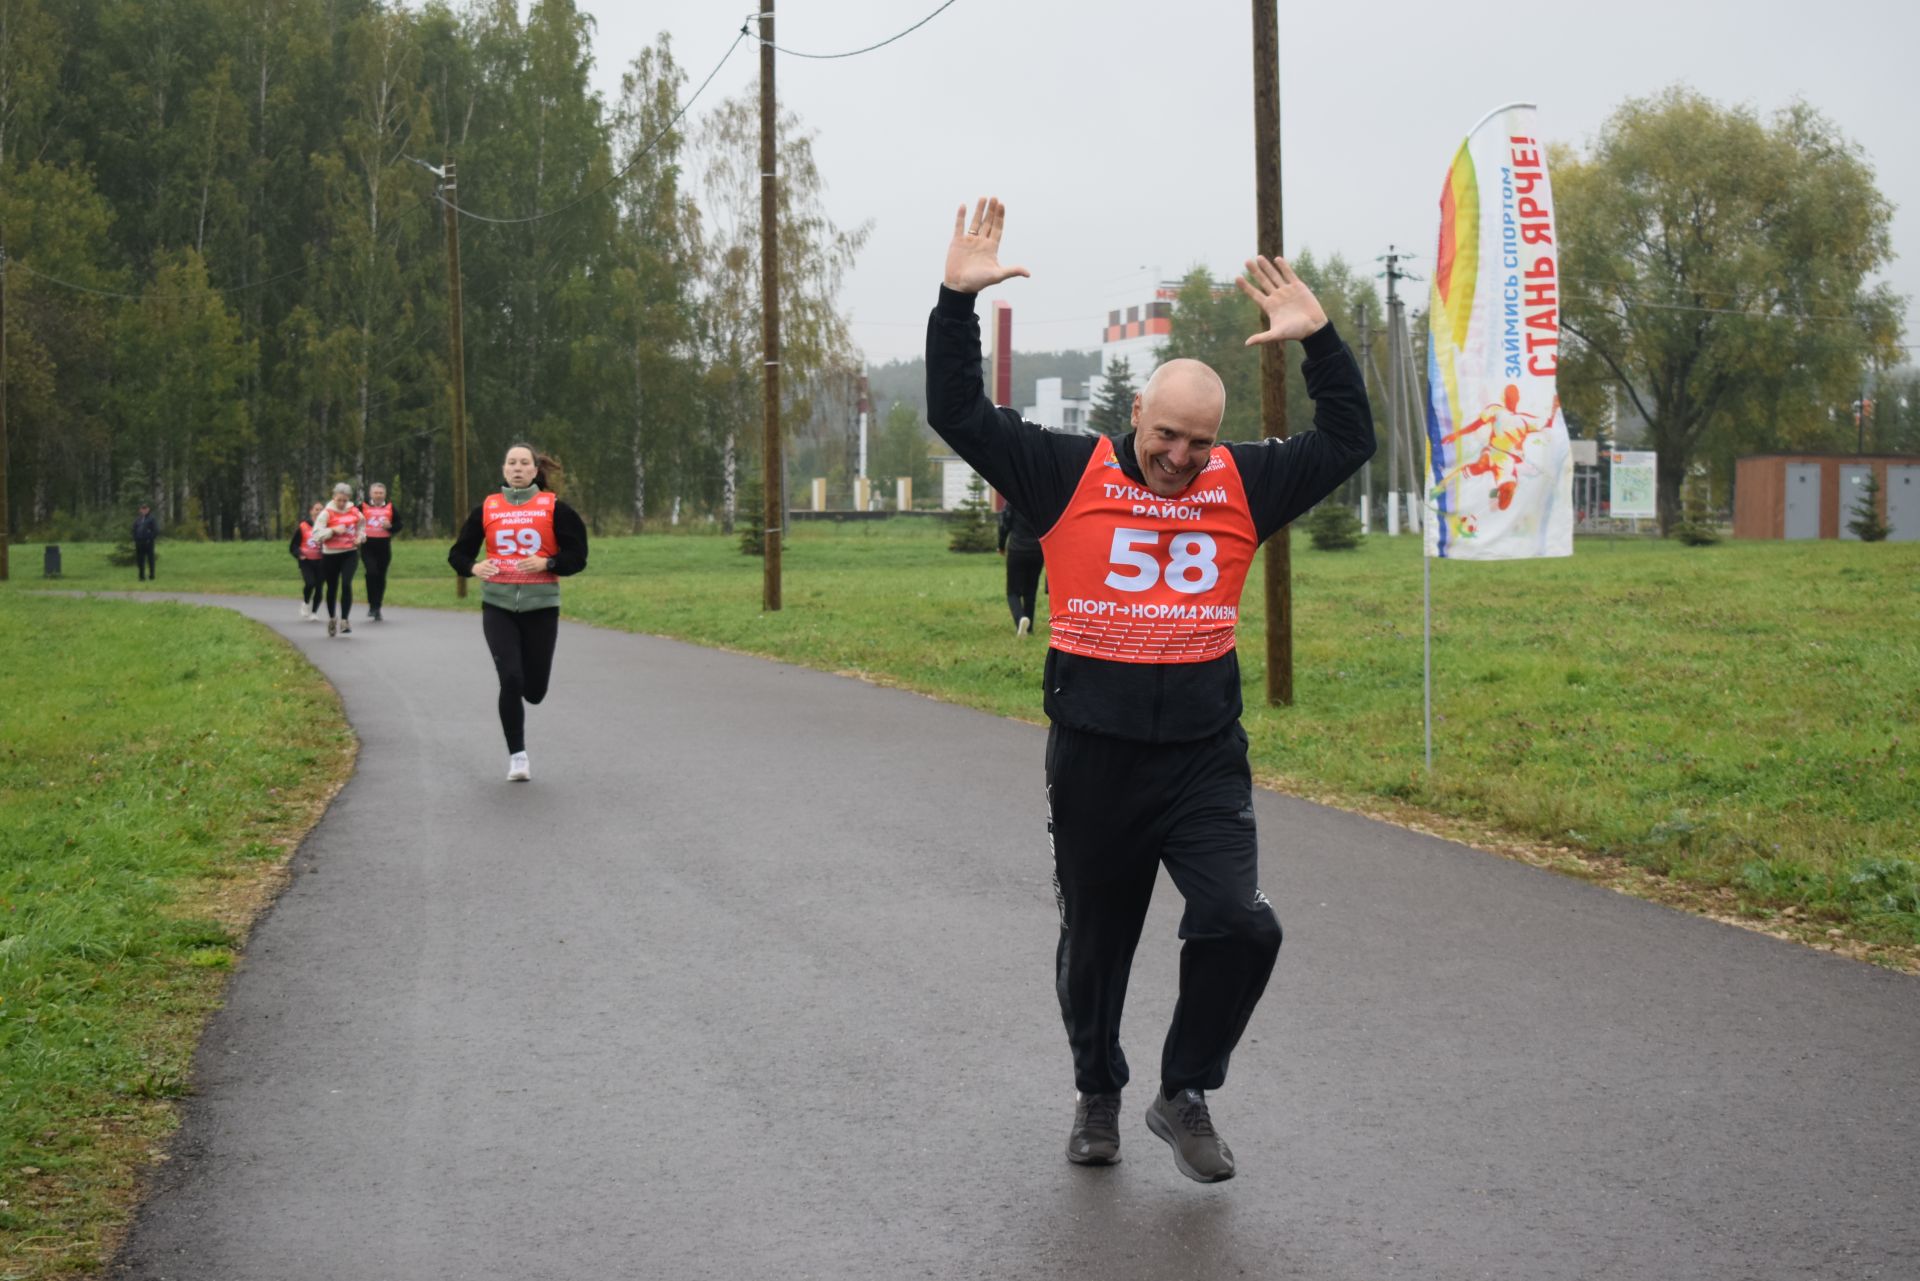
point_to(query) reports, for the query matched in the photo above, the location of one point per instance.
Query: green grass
(1737, 720)
(155, 761)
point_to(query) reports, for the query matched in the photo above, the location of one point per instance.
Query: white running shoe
(305, 613)
(518, 771)
(1024, 626)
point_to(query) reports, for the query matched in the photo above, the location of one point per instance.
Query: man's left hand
(533, 565)
(1291, 309)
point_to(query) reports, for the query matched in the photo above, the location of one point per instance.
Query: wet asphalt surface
(754, 980)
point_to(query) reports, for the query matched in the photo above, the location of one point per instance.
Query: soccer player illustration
(1503, 459)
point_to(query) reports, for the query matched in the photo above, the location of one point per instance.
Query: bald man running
(1148, 539)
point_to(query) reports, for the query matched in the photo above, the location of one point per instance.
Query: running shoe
(1024, 626)
(1184, 1122)
(332, 625)
(518, 771)
(1095, 1139)
(345, 627)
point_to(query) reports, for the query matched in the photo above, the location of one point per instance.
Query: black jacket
(1016, 531)
(145, 528)
(1038, 471)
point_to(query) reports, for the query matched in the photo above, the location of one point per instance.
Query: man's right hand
(973, 259)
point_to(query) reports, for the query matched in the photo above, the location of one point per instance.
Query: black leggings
(310, 581)
(378, 553)
(1023, 581)
(339, 573)
(522, 645)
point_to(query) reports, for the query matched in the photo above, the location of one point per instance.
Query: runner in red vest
(383, 522)
(1148, 539)
(338, 531)
(520, 543)
(307, 556)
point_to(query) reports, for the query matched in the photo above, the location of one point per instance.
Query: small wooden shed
(1814, 495)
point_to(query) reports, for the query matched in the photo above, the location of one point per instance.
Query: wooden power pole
(1273, 355)
(458, 358)
(6, 516)
(772, 468)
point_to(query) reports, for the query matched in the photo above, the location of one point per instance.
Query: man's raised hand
(973, 259)
(1290, 307)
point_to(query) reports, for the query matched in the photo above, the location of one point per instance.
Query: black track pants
(522, 645)
(310, 584)
(143, 559)
(378, 554)
(1117, 810)
(1023, 582)
(337, 569)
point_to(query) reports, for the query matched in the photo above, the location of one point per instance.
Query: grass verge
(1728, 728)
(157, 764)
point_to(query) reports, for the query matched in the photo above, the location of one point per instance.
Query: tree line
(227, 277)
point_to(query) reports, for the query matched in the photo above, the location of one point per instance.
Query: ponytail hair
(547, 468)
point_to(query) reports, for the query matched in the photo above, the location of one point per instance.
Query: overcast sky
(1120, 133)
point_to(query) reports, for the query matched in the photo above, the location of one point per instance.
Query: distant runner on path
(338, 532)
(521, 542)
(306, 554)
(383, 522)
(1148, 539)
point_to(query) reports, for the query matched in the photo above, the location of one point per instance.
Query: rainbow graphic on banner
(1499, 469)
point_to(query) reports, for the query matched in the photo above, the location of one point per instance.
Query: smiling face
(1176, 423)
(519, 469)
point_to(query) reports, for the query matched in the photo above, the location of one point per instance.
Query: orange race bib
(342, 529)
(1137, 578)
(514, 533)
(379, 520)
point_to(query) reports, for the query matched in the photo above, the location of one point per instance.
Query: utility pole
(772, 468)
(1273, 356)
(1402, 391)
(6, 515)
(457, 357)
(1366, 468)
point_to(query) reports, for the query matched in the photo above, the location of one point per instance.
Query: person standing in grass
(338, 531)
(306, 554)
(1021, 546)
(145, 531)
(1148, 540)
(383, 522)
(520, 543)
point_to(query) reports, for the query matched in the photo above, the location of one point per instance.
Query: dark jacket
(1016, 532)
(145, 528)
(1038, 471)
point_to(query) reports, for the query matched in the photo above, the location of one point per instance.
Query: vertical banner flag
(1499, 468)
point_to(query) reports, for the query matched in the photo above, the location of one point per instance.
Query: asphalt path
(754, 980)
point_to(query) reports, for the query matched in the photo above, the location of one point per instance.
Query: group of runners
(519, 542)
(329, 546)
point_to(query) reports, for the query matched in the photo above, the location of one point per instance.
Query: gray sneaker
(1186, 1125)
(1096, 1130)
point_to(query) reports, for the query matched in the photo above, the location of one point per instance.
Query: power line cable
(851, 53)
(624, 170)
(224, 291)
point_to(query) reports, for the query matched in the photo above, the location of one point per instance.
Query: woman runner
(520, 543)
(383, 522)
(338, 532)
(307, 557)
